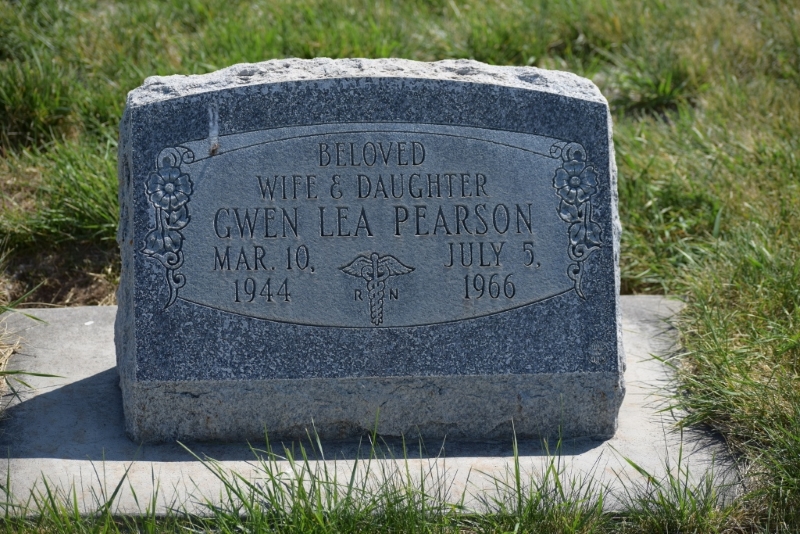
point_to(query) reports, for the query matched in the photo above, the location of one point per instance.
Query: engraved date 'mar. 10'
(248, 290)
(484, 232)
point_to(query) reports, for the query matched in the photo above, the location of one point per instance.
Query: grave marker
(322, 240)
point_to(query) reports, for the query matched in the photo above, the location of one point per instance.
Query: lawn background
(706, 103)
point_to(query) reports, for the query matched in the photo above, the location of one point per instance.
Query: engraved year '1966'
(374, 224)
(469, 255)
(476, 261)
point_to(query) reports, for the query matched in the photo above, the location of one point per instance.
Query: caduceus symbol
(376, 270)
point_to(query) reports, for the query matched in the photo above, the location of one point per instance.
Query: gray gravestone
(326, 241)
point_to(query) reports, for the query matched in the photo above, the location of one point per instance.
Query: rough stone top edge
(161, 88)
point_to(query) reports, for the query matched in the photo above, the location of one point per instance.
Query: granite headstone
(432, 245)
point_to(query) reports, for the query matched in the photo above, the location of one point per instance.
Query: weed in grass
(641, 86)
(668, 215)
(551, 500)
(292, 493)
(78, 201)
(674, 503)
(60, 217)
(50, 508)
(740, 372)
(35, 102)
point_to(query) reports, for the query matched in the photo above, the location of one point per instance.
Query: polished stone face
(354, 219)
(376, 225)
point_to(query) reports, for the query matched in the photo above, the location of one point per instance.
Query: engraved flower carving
(576, 182)
(163, 241)
(168, 188)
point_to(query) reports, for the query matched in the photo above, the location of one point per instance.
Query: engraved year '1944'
(248, 290)
(245, 290)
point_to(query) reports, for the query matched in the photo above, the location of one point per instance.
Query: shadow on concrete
(83, 420)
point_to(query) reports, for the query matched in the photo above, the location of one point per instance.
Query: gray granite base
(474, 407)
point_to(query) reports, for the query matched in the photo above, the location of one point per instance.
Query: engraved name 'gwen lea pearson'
(320, 240)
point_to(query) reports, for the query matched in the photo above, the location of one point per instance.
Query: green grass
(290, 491)
(706, 103)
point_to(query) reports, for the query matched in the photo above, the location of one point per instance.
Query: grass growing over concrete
(290, 490)
(706, 101)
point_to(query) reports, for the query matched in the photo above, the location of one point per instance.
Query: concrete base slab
(70, 430)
